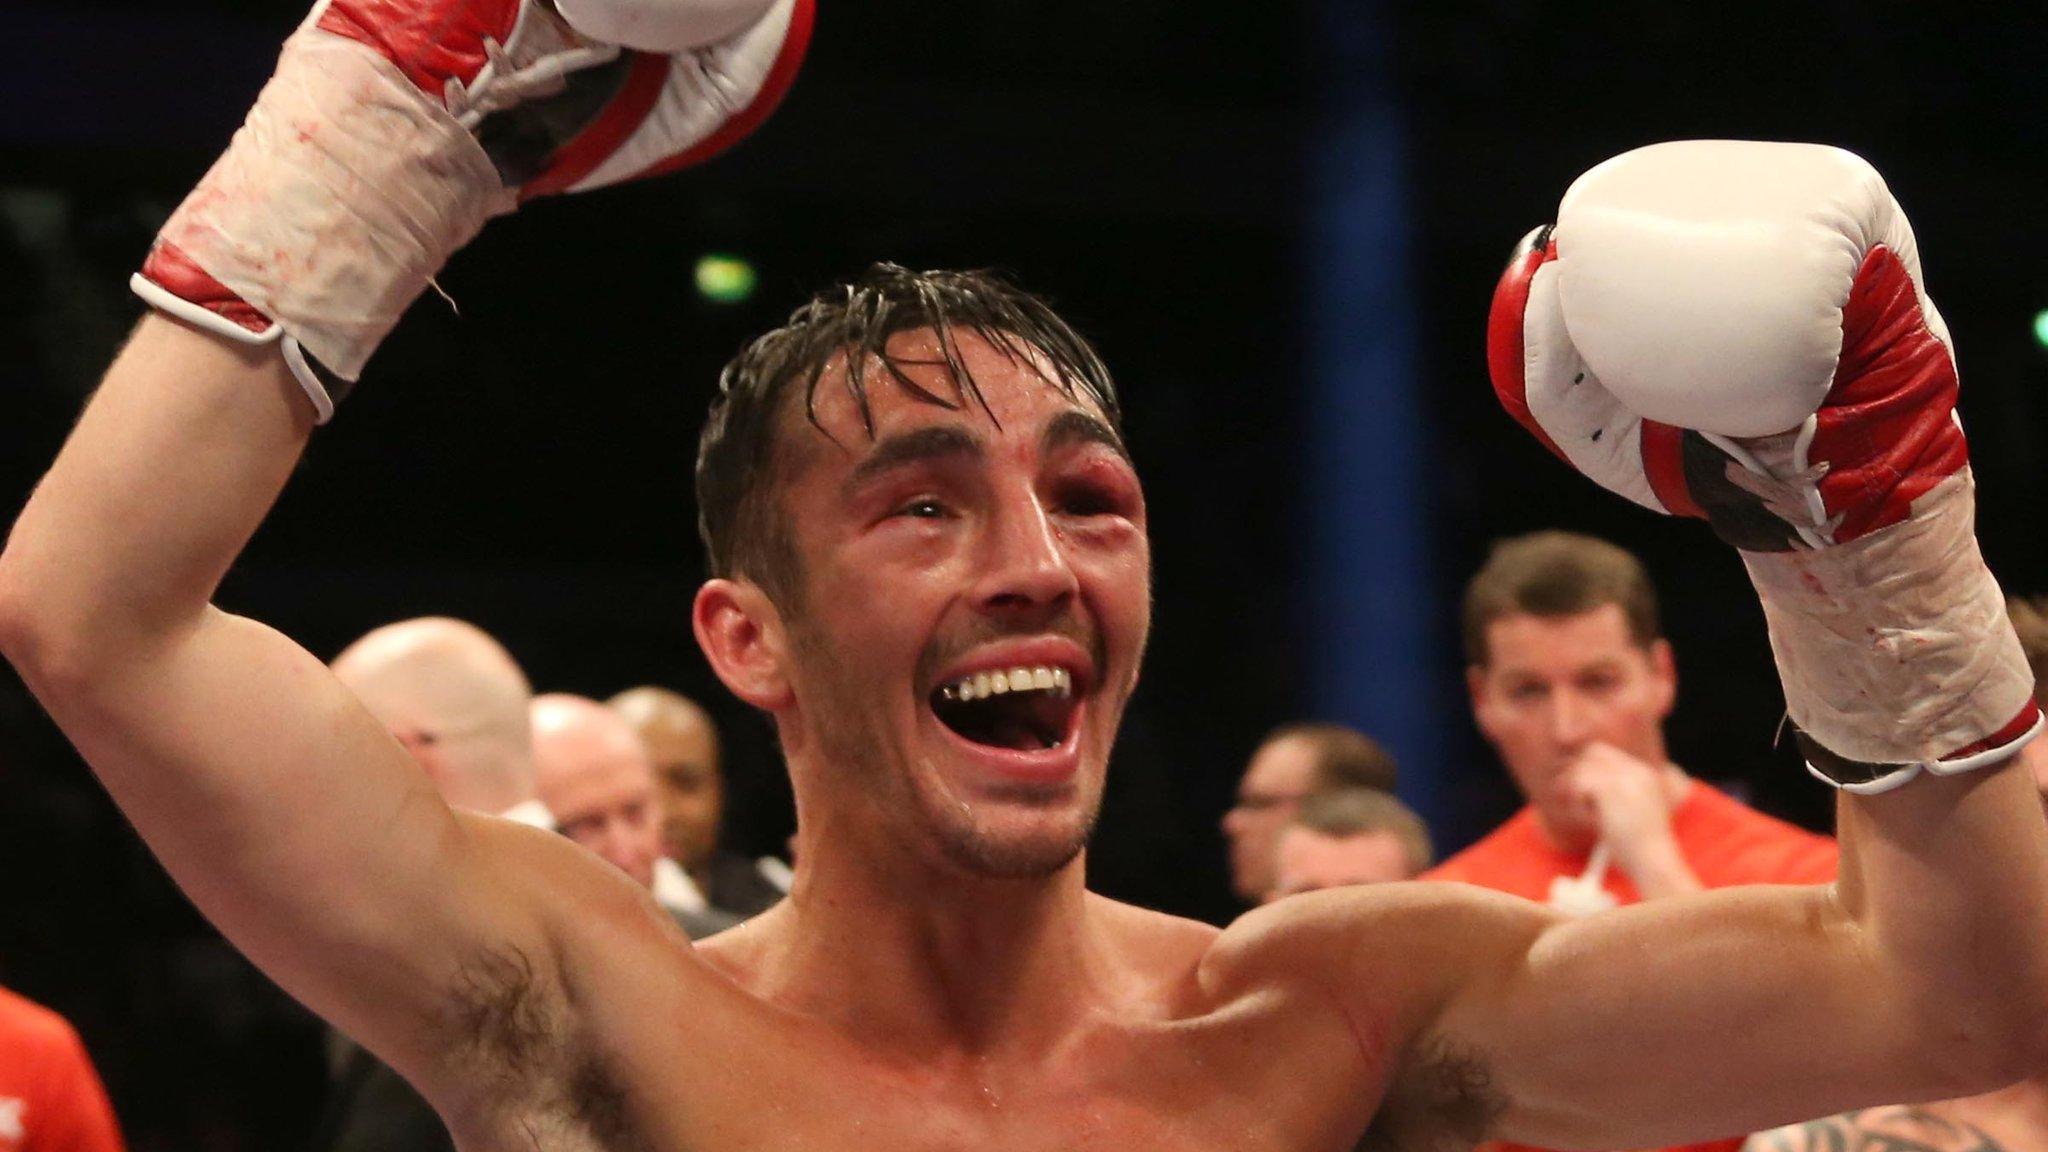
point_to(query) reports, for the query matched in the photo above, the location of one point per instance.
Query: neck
(944, 961)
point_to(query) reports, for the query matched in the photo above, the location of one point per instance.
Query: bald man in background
(595, 774)
(681, 737)
(457, 701)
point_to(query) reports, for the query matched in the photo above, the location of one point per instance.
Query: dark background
(1150, 166)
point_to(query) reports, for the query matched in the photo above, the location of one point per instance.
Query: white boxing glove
(660, 25)
(1738, 331)
(393, 130)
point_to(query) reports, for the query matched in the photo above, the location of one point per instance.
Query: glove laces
(551, 50)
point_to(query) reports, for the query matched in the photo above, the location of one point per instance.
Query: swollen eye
(1088, 502)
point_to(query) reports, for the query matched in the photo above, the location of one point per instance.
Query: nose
(615, 844)
(1026, 565)
(1571, 718)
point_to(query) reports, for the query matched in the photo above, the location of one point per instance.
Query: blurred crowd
(1570, 681)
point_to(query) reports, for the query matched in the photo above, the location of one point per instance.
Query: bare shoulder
(1158, 933)
(1388, 956)
(1411, 935)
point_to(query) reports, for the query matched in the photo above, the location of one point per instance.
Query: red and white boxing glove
(392, 131)
(1738, 331)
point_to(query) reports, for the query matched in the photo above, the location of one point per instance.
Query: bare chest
(1245, 1084)
(1177, 1103)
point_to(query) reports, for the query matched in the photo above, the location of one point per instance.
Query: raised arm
(289, 816)
(294, 822)
(1731, 1011)
(1764, 303)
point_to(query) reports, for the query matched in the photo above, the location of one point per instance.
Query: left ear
(1664, 676)
(743, 637)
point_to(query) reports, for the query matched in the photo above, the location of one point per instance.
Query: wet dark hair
(745, 532)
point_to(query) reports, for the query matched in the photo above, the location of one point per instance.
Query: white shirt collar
(673, 888)
(531, 812)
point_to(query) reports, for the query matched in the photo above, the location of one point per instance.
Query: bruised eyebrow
(1077, 427)
(925, 444)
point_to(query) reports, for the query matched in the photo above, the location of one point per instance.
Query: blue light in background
(1372, 607)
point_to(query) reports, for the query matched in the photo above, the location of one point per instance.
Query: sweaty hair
(1344, 757)
(1362, 811)
(2030, 620)
(1557, 574)
(744, 530)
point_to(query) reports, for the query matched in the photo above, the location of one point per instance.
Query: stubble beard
(973, 846)
(858, 751)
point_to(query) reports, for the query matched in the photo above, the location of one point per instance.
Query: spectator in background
(1293, 761)
(595, 775)
(51, 1100)
(457, 701)
(1348, 836)
(1571, 681)
(688, 773)
(2012, 1119)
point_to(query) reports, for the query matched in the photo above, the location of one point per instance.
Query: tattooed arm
(1698, 1016)
(1897, 1128)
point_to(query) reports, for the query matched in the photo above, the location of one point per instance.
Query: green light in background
(2041, 328)
(724, 279)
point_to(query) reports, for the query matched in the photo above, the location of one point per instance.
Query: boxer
(932, 570)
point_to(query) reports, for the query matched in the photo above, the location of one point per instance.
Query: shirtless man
(953, 504)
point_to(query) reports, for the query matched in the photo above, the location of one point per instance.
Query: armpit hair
(499, 1018)
(1446, 1101)
(598, 1105)
(511, 1038)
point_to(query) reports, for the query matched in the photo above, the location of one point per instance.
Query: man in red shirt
(50, 1098)
(1571, 681)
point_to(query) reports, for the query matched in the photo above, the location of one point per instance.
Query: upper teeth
(1043, 678)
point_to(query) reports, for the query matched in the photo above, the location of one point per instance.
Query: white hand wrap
(341, 195)
(391, 133)
(1894, 648)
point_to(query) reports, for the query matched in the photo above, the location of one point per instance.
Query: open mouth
(1024, 709)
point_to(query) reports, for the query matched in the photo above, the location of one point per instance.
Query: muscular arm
(294, 822)
(1917, 974)
(289, 816)
(1905, 1128)
(1819, 438)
